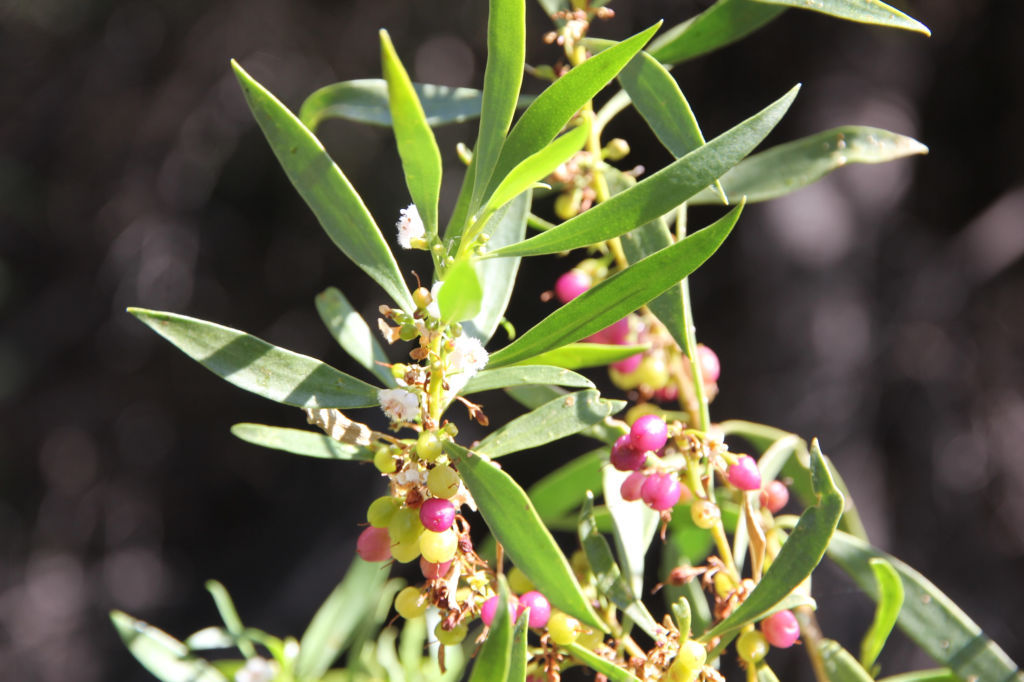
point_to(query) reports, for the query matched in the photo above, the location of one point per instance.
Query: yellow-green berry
(380, 511)
(518, 582)
(438, 548)
(405, 551)
(443, 481)
(428, 446)
(751, 646)
(384, 460)
(422, 298)
(451, 637)
(563, 629)
(692, 654)
(705, 514)
(405, 525)
(407, 603)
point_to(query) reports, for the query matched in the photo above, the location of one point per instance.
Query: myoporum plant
(742, 513)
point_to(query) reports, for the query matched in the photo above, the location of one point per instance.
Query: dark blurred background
(879, 309)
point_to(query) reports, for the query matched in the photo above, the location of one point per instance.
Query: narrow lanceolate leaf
(793, 165)
(930, 675)
(518, 657)
(460, 296)
(257, 366)
(890, 601)
(659, 193)
(162, 655)
(668, 306)
(352, 333)
(634, 526)
(338, 618)
(722, 24)
(503, 76)
(556, 419)
(551, 7)
(581, 355)
(766, 674)
(799, 555)
(299, 442)
(661, 103)
(421, 159)
(560, 101)
(928, 616)
(563, 490)
(512, 519)
(366, 101)
(325, 189)
(601, 665)
(229, 614)
(494, 659)
(618, 295)
(840, 664)
(524, 375)
(610, 580)
(862, 11)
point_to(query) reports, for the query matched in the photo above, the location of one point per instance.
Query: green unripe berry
(408, 605)
(518, 582)
(398, 370)
(428, 446)
(639, 410)
(751, 646)
(443, 482)
(384, 460)
(406, 551)
(422, 298)
(563, 629)
(451, 637)
(652, 372)
(567, 204)
(408, 332)
(678, 672)
(724, 584)
(590, 638)
(405, 525)
(437, 548)
(623, 381)
(692, 654)
(705, 514)
(616, 149)
(380, 511)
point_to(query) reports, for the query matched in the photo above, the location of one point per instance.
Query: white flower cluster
(399, 404)
(466, 359)
(410, 226)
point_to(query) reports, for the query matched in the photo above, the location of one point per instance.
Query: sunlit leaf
(353, 334)
(523, 375)
(494, 659)
(582, 355)
(634, 527)
(667, 306)
(162, 655)
(518, 657)
(299, 442)
(931, 675)
(840, 664)
(722, 24)
(862, 11)
(890, 601)
(213, 637)
(460, 296)
(228, 614)
(601, 665)
(563, 490)
(658, 99)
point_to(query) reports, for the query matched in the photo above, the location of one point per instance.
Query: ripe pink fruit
(624, 457)
(374, 544)
(744, 474)
(437, 514)
(571, 284)
(661, 491)
(630, 489)
(540, 609)
(649, 432)
(490, 608)
(432, 571)
(710, 368)
(627, 365)
(781, 629)
(774, 496)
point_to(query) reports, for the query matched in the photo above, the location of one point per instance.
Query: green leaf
(503, 76)
(890, 601)
(561, 100)
(691, 592)
(299, 442)
(634, 526)
(257, 366)
(799, 555)
(421, 159)
(212, 637)
(619, 295)
(552, 7)
(932, 675)
(682, 615)
(162, 655)
(861, 11)
(494, 659)
(661, 103)
(352, 333)
(365, 100)
(581, 355)
(339, 617)
(722, 24)
(523, 375)
(840, 664)
(497, 276)
(511, 517)
(518, 657)
(563, 490)
(610, 581)
(592, 660)
(325, 189)
(928, 616)
(228, 614)
(667, 306)
(460, 296)
(659, 193)
(793, 165)
(766, 674)
(558, 418)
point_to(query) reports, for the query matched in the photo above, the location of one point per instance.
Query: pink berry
(630, 489)
(774, 496)
(437, 514)
(649, 432)
(374, 544)
(661, 491)
(781, 629)
(667, 394)
(710, 368)
(628, 365)
(490, 607)
(571, 284)
(616, 332)
(540, 609)
(744, 474)
(624, 457)
(432, 571)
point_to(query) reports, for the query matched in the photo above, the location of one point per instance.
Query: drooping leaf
(511, 517)
(518, 657)
(634, 527)
(658, 194)
(552, 421)
(460, 296)
(299, 442)
(257, 366)
(421, 159)
(352, 333)
(162, 655)
(799, 555)
(619, 295)
(890, 601)
(722, 24)
(228, 614)
(601, 665)
(840, 664)
(325, 189)
(610, 580)
(339, 617)
(861, 11)
(494, 659)
(928, 616)
(793, 165)
(582, 355)
(563, 490)
(524, 375)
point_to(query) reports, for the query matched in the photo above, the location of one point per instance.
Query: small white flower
(411, 476)
(433, 309)
(399, 404)
(410, 226)
(257, 670)
(466, 359)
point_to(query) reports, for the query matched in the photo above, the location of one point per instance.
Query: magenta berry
(774, 496)
(374, 544)
(571, 284)
(540, 609)
(649, 432)
(437, 514)
(781, 629)
(631, 487)
(624, 457)
(628, 365)
(744, 474)
(710, 369)
(616, 332)
(490, 608)
(661, 491)
(432, 571)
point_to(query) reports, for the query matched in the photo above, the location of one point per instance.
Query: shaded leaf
(634, 527)
(722, 24)
(460, 295)
(352, 333)
(299, 442)
(522, 375)
(518, 657)
(658, 99)
(213, 637)
(162, 655)
(257, 366)
(228, 614)
(667, 306)
(890, 601)
(932, 675)
(840, 664)
(494, 659)
(563, 490)
(581, 355)
(861, 11)
(592, 660)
